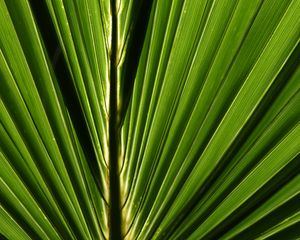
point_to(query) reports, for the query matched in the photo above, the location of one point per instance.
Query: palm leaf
(149, 119)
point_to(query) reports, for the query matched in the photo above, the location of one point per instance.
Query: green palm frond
(149, 119)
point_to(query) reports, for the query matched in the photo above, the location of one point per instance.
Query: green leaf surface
(149, 119)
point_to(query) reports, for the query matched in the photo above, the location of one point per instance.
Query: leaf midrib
(114, 133)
